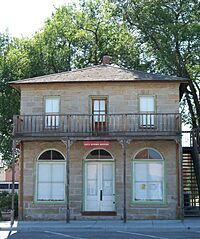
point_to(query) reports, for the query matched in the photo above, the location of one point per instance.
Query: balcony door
(99, 111)
(147, 111)
(52, 109)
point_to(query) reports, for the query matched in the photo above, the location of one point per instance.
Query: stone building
(100, 142)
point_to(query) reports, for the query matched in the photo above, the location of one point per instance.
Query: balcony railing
(90, 125)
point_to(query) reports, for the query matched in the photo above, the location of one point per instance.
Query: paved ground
(165, 229)
(102, 234)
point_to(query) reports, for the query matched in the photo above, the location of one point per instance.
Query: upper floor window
(147, 111)
(99, 111)
(52, 109)
(99, 108)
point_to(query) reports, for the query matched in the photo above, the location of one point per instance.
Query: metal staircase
(191, 174)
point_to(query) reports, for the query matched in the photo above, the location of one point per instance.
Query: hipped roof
(100, 73)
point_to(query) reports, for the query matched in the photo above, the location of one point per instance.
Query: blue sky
(24, 17)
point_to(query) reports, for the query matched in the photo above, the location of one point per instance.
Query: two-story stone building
(99, 142)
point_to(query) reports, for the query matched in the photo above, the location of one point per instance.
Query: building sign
(95, 144)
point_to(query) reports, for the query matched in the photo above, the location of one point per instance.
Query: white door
(52, 109)
(99, 186)
(147, 109)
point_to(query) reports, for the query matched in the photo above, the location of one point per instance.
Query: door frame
(85, 161)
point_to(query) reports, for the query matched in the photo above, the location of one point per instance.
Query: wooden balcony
(88, 125)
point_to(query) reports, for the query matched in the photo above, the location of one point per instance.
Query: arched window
(51, 176)
(99, 154)
(51, 155)
(148, 176)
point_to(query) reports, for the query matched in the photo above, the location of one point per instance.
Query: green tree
(14, 65)
(75, 37)
(102, 33)
(170, 37)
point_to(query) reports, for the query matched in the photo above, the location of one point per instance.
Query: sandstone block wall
(122, 97)
(57, 211)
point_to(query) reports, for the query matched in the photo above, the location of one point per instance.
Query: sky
(22, 18)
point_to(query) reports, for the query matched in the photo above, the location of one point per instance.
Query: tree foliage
(170, 37)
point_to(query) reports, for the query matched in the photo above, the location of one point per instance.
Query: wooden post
(12, 216)
(179, 166)
(68, 181)
(68, 144)
(124, 176)
(21, 188)
(124, 144)
(181, 179)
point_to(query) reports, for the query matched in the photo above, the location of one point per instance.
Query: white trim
(88, 152)
(85, 181)
(148, 159)
(49, 150)
(36, 175)
(161, 162)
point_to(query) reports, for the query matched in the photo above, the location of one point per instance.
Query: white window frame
(51, 118)
(51, 162)
(148, 183)
(147, 117)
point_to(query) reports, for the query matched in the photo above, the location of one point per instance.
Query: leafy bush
(6, 202)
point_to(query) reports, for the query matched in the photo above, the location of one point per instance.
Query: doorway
(99, 182)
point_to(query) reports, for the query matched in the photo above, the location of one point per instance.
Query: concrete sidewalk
(193, 223)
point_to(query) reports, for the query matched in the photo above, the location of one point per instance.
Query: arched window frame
(51, 164)
(98, 159)
(147, 163)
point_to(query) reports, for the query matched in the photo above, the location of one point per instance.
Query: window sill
(50, 202)
(149, 202)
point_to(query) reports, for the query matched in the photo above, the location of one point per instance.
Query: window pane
(56, 155)
(55, 105)
(45, 156)
(58, 192)
(155, 172)
(141, 172)
(96, 105)
(147, 104)
(153, 154)
(104, 154)
(44, 191)
(142, 154)
(91, 188)
(52, 105)
(92, 171)
(107, 171)
(93, 154)
(44, 172)
(155, 190)
(107, 180)
(58, 172)
(141, 191)
(102, 105)
(48, 105)
(91, 179)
